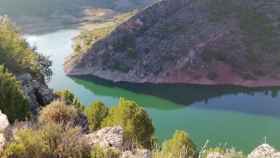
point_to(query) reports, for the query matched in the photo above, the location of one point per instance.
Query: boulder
(106, 137)
(264, 151)
(4, 123)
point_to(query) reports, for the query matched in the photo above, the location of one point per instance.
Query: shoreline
(262, 83)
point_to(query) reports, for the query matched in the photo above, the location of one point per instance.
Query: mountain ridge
(185, 41)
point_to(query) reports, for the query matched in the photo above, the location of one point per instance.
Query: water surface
(238, 117)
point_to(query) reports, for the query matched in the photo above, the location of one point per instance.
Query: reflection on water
(186, 95)
(104, 88)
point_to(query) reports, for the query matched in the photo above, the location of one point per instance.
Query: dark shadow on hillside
(204, 96)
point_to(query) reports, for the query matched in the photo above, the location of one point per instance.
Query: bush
(12, 100)
(28, 143)
(49, 141)
(120, 67)
(59, 113)
(70, 99)
(131, 52)
(179, 146)
(65, 141)
(138, 127)
(98, 152)
(96, 114)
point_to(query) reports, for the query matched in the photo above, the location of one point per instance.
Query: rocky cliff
(233, 42)
(36, 91)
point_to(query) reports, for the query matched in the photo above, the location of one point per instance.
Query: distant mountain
(59, 13)
(232, 42)
(48, 7)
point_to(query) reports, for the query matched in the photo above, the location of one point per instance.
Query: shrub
(70, 99)
(12, 100)
(179, 146)
(65, 141)
(138, 127)
(96, 114)
(48, 141)
(131, 52)
(98, 152)
(120, 67)
(59, 113)
(28, 143)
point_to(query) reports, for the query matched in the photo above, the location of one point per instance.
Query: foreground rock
(4, 124)
(264, 151)
(37, 92)
(189, 41)
(110, 137)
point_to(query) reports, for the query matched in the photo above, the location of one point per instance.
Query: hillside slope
(26, 66)
(232, 42)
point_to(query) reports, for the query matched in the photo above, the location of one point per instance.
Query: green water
(223, 115)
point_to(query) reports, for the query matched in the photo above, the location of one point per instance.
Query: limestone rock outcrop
(109, 137)
(37, 92)
(4, 124)
(264, 151)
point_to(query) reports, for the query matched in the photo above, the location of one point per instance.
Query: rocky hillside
(26, 66)
(233, 42)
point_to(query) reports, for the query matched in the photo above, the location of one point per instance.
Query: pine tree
(137, 125)
(12, 100)
(96, 113)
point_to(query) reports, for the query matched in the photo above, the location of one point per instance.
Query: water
(238, 117)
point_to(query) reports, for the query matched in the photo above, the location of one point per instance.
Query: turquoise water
(237, 117)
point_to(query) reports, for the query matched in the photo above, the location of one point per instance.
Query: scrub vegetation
(56, 134)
